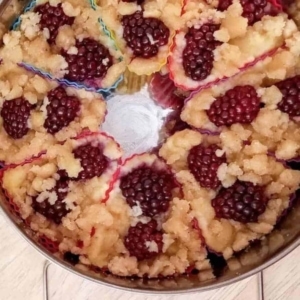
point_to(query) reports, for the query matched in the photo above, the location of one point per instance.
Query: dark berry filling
(148, 188)
(71, 258)
(58, 210)
(144, 241)
(61, 110)
(91, 62)
(15, 114)
(137, 1)
(52, 18)
(252, 10)
(295, 165)
(92, 160)
(239, 105)
(174, 123)
(217, 262)
(204, 163)
(243, 202)
(50, 245)
(144, 35)
(198, 56)
(290, 89)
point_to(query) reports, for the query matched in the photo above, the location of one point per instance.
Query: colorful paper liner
(276, 4)
(245, 68)
(27, 8)
(87, 133)
(163, 62)
(12, 206)
(107, 32)
(43, 240)
(105, 92)
(167, 168)
(248, 65)
(132, 83)
(163, 91)
(195, 225)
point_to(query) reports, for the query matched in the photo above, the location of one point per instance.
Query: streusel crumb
(248, 163)
(15, 83)
(48, 49)
(235, 43)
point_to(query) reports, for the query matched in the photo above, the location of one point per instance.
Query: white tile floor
(21, 269)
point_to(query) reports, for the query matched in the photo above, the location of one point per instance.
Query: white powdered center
(152, 246)
(134, 121)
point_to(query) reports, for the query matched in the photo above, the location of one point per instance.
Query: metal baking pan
(260, 255)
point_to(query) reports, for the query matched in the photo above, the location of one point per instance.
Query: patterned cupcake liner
(139, 160)
(246, 67)
(43, 240)
(83, 138)
(219, 80)
(105, 92)
(195, 224)
(293, 163)
(28, 7)
(276, 4)
(292, 202)
(161, 63)
(90, 136)
(132, 83)
(11, 205)
(164, 92)
(208, 127)
(89, 85)
(203, 84)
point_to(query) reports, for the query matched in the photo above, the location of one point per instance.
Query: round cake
(139, 138)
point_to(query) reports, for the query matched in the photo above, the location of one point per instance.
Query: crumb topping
(221, 179)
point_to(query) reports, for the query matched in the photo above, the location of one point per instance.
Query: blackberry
(148, 188)
(91, 62)
(198, 56)
(239, 105)
(58, 210)
(92, 160)
(290, 89)
(144, 35)
(253, 10)
(204, 163)
(61, 110)
(52, 18)
(15, 114)
(243, 202)
(141, 237)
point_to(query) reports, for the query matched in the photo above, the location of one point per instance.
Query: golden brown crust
(112, 14)
(241, 43)
(17, 82)
(99, 216)
(246, 163)
(29, 43)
